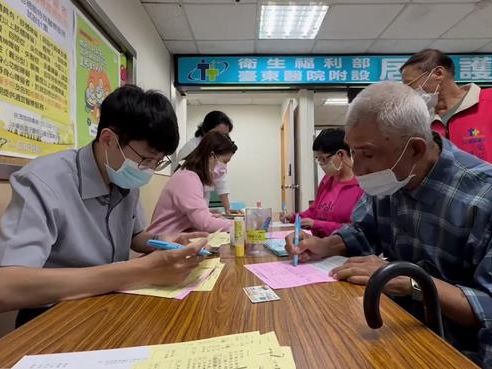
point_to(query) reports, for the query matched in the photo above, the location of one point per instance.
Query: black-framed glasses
(149, 163)
(323, 158)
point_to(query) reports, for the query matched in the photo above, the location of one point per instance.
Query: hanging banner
(36, 54)
(98, 73)
(209, 70)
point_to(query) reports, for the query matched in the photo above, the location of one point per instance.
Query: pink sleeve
(308, 213)
(192, 203)
(326, 228)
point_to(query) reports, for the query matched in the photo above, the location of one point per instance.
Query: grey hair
(397, 109)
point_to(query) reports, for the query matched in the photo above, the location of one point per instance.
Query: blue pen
(297, 231)
(163, 245)
(266, 223)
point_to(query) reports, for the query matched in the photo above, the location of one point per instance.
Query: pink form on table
(282, 274)
(280, 235)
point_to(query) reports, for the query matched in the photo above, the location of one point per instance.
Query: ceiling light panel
(294, 22)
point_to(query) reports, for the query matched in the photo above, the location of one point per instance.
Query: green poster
(98, 73)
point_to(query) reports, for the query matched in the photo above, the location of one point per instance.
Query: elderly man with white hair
(426, 202)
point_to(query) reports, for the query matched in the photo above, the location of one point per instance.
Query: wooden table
(324, 324)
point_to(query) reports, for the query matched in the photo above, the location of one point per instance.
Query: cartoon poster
(98, 73)
(36, 58)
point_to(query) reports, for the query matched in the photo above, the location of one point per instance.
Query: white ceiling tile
(170, 21)
(370, 1)
(181, 47)
(159, 1)
(444, 1)
(222, 22)
(284, 46)
(398, 46)
(486, 49)
(426, 20)
(219, 1)
(463, 45)
(357, 21)
(341, 46)
(477, 24)
(226, 47)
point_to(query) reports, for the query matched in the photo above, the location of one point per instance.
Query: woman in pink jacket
(182, 205)
(338, 191)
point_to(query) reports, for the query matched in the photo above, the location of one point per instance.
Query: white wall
(153, 59)
(254, 172)
(153, 65)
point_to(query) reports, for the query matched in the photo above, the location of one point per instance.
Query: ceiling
(324, 115)
(350, 26)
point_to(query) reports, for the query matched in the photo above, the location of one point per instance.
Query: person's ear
(343, 154)
(418, 148)
(439, 74)
(107, 138)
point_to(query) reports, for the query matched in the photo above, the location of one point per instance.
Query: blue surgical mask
(128, 175)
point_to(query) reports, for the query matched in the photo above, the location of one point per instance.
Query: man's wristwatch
(416, 291)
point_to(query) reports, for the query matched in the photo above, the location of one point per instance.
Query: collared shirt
(471, 98)
(455, 109)
(469, 124)
(444, 225)
(63, 215)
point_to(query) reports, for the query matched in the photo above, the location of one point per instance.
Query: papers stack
(237, 351)
(202, 278)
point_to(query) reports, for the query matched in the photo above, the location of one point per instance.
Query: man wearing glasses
(74, 215)
(462, 114)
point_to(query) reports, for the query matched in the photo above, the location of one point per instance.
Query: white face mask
(430, 99)
(384, 183)
(330, 168)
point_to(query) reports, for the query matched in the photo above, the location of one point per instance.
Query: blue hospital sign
(312, 70)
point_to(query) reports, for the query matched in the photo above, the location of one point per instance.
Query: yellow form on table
(250, 350)
(238, 351)
(202, 278)
(216, 239)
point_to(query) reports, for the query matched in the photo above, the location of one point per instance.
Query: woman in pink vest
(338, 191)
(182, 205)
